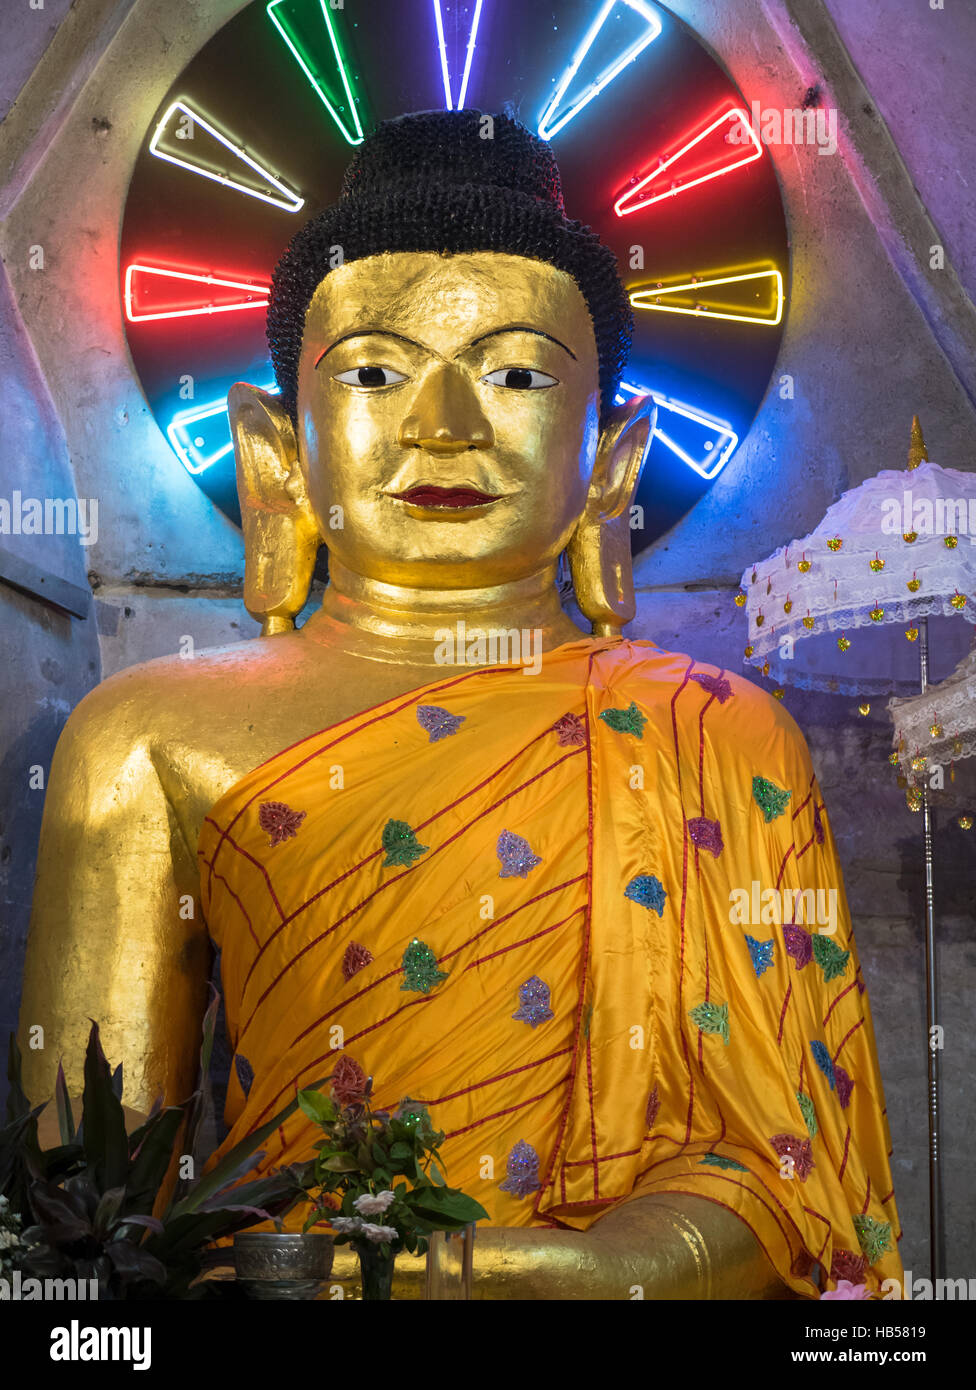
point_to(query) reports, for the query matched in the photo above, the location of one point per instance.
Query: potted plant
(88, 1209)
(379, 1178)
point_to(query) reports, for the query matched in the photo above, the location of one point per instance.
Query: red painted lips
(429, 496)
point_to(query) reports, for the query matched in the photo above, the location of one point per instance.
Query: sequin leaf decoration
(439, 723)
(420, 970)
(401, 844)
(874, 1237)
(648, 891)
(761, 954)
(533, 1002)
(356, 958)
(845, 1086)
(770, 799)
(808, 1112)
(570, 730)
(712, 1018)
(653, 1106)
(706, 834)
(828, 955)
(822, 1058)
(798, 944)
(522, 1168)
(516, 855)
(715, 685)
(798, 1151)
(245, 1072)
(625, 721)
(720, 1161)
(845, 1264)
(279, 822)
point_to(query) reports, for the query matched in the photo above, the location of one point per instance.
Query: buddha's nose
(446, 417)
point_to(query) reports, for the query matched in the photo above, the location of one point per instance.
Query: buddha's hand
(659, 1246)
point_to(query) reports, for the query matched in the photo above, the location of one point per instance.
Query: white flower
(373, 1204)
(377, 1234)
(347, 1225)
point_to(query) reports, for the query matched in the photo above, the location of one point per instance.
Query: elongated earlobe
(281, 538)
(599, 550)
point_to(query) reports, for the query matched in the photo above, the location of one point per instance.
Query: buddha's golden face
(448, 415)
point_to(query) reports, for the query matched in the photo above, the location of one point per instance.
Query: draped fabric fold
(593, 917)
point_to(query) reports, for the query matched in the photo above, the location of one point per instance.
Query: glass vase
(376, 1272)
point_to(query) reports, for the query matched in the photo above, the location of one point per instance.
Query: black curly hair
(429, 181)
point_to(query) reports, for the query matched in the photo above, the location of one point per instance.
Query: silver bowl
(273, 1266)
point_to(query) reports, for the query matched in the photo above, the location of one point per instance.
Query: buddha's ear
(599, 550)
(281, 538)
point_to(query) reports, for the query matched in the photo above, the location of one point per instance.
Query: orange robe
(603, 1009)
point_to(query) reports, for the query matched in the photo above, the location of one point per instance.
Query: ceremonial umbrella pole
(937, 725)
(895, 551)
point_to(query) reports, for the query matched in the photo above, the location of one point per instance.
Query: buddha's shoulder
(740, 714)
(156, 697)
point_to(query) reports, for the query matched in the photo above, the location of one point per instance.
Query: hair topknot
(430, 181)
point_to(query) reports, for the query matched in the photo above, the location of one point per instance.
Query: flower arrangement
(845, 1289)
(380, 1180)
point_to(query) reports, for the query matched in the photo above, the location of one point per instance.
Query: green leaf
(435, 1173)
(66, 1120)
(401, 1150)
(320, 1109)
(200, 1137)
(17, 1102)
(225, 1170)
(151, 1162)
(105, 1142)
(109, 1207)
(209, 1028)
(446, 1204)
(341, 1163)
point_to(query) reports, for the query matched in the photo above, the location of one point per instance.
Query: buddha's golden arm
(107, 939)
(668, 1246)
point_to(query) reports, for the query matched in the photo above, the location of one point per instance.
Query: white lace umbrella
(899, 548)
(937, 729)
(850, 608)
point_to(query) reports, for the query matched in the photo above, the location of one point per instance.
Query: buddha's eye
(370, 376)
(520, 379)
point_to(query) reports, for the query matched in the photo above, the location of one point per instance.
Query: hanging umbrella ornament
(935, 731)
(882, 568)
(842, 608)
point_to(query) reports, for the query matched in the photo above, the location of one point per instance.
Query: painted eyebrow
(365, 333)
(388, 333)
(523, 328)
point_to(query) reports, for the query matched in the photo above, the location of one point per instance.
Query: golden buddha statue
(442, 832)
